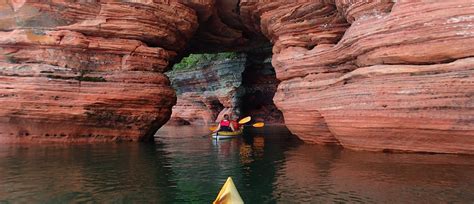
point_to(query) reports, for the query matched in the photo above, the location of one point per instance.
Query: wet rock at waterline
(211, 85)
(260, 84)
(399, 78)
(81, 72)
(207, 86)
(383, 76)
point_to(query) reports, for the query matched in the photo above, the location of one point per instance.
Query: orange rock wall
(208, 91)
(373, 76)
(369, 75)
(83, 72)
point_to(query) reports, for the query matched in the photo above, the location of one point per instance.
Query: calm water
(270, 167)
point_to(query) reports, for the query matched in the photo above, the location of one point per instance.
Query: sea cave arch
(376, 76)
(211, 85)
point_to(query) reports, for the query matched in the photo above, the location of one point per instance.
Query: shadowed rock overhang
(376, 75)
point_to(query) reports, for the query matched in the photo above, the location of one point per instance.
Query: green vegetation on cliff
(193, 60)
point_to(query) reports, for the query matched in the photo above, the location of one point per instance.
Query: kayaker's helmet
(226, 117)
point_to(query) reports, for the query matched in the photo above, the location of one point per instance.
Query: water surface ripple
(268, 166)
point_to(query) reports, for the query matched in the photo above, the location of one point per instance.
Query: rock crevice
(83, 72)
(378, 75)
(239, 86)
(397, 79)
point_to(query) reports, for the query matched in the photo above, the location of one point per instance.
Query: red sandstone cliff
(88, 71)
(241, 86)
(208, 91)
(374, 75)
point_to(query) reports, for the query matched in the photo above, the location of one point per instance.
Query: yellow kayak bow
(228, 194)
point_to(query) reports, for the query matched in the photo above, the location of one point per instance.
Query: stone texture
(221, 28)
(83, 72)
(243, 86)
(399, 79)
(146, 21)
(49, 103)
(260, 84)
(208, 91)
(294, 24)
(368, 75)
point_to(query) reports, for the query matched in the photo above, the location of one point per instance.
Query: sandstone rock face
(88, 71)
(260, 84)
(369, 75)
(374, 76)
(241, 86)
(208, 91)
(221, 28)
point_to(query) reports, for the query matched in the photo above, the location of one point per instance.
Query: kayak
(227, 134)
(228, 194)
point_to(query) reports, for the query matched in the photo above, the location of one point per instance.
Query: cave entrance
(215, 106)
(207, 85)
(211, 85)
(260, 84)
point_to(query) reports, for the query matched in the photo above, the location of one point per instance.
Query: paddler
(225, 125)
(235, 124)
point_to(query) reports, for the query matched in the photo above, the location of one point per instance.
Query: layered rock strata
(221, 28)
(370, 75)
(88, 71)
(374, 76)
(260, 84)
(241, 86)
(208, 91)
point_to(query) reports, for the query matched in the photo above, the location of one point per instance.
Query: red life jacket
(225, 123)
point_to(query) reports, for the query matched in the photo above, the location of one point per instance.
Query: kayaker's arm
(218, 128)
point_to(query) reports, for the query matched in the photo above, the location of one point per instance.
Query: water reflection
(251, 147)
(271, 166)
(268, 166)
(348, 176)
(251, 160)
(83, 173)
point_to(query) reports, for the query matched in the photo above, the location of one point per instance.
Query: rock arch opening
(366, 75)
(211, 85)
(260, 85)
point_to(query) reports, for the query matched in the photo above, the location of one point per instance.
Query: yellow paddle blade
(258, 125)
(212, 128)
(228, 194)
(245, 120)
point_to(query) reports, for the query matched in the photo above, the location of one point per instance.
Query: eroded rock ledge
(239, 85)
(208, 90)
(88, 71)
(379, 75)
(395, 77)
